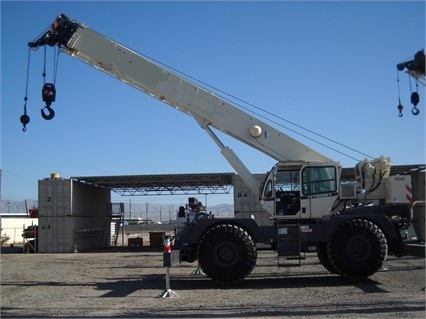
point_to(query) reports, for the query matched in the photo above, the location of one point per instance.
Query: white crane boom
(206, 108)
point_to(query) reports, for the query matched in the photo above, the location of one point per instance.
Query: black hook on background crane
(415, 99)
(416, 69)
(400, 107)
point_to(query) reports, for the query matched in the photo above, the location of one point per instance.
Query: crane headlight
(255, 131)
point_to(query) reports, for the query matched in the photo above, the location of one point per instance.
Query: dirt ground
(128, 282)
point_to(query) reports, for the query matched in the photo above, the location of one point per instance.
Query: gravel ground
(128, 282)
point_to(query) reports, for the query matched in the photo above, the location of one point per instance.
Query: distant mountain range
(16, 207)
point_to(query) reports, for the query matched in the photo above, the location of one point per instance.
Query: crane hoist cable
(49, 97)
(400, 107)
(25, 119)
(48, 90)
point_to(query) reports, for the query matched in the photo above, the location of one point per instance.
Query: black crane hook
(415, 110)
(50, 113)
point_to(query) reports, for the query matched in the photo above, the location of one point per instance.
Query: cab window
(268, 189)
(318, 180)
(287, 181)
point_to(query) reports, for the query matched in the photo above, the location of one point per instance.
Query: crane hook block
(400, 108)
(25, 119)
(415, 98)
(48, 93)
(50, 113)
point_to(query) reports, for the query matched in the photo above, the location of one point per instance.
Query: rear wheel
(227, 253)
(358, 248)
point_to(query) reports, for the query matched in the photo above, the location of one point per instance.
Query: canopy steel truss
(163, 184)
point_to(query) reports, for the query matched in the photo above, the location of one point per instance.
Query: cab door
(281, 191)
(319, 190)
(267, 194)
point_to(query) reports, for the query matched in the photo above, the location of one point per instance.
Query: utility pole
(130, 210)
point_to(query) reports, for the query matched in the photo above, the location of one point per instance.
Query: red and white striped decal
(408, 193)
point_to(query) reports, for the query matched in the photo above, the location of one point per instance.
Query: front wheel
(227, 253)
(323, 257)
(358, 248)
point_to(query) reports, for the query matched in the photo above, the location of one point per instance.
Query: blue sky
(327, 66)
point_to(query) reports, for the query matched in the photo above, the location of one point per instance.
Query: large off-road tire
(227, 253)
(323, 257)
(358, 248)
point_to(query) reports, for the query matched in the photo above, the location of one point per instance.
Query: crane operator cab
(294, 190)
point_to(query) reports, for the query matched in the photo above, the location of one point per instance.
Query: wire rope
(204, 85)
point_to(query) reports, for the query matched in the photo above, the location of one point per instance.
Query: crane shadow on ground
(126, 286)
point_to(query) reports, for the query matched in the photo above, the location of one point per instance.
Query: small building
(73, 216)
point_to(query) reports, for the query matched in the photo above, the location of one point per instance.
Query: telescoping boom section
(208, 109)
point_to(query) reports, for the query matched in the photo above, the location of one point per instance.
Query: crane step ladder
(116, 213)
(288, 247)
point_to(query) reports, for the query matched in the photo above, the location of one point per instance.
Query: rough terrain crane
(351, 226)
